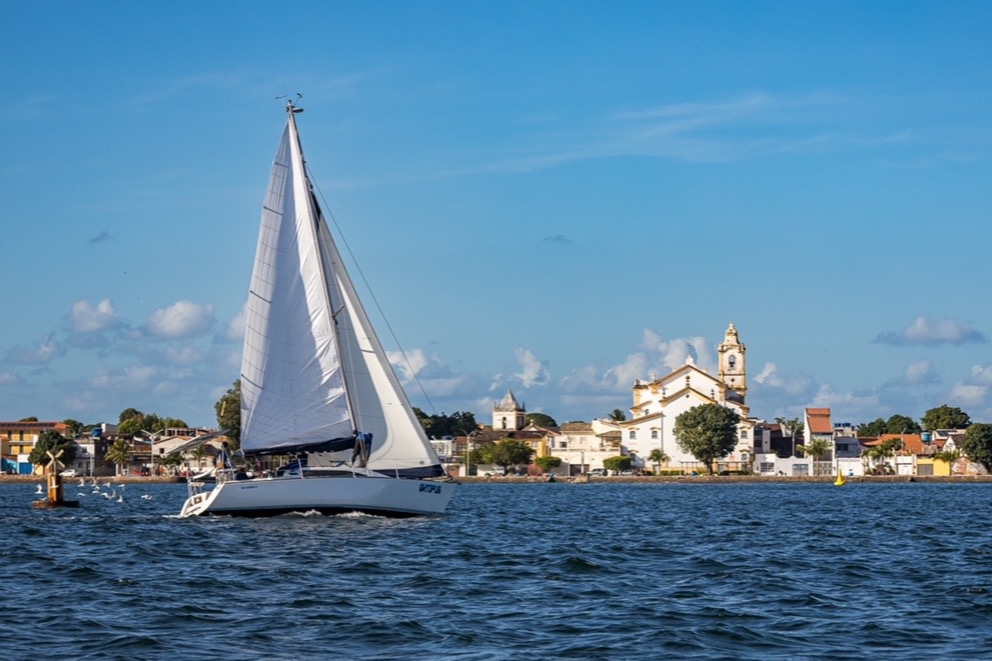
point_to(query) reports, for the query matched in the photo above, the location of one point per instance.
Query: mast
(317, 217)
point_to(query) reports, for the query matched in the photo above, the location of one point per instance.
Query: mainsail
(313, 369)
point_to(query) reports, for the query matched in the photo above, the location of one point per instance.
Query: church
(657, 403)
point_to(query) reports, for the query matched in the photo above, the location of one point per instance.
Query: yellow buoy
(839, 482)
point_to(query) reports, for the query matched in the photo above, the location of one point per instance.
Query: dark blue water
(539, 571)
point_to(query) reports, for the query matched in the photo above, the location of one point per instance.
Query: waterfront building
(17, 440)
(509, 414)
(658, 402)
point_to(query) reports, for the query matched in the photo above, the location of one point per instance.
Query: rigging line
(368, 287)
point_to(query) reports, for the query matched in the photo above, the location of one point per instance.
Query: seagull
(82, 481)
(147, 497)
(120, 498)
(39, 490)
(81, 494)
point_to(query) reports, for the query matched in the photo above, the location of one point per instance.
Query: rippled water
(514, 571)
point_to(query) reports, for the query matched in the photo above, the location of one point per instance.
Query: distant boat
(315, 381)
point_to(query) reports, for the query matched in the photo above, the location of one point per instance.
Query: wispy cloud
(926, 332)
(43, 352)
(533, 372)
(101, 237)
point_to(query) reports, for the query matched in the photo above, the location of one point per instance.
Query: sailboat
(316, 385)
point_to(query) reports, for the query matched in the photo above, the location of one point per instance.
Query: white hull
(375, 494)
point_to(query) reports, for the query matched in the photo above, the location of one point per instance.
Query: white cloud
(982, 374)
(969, 395)
(7, 377)
(851, 403)
(533, 370)
(42, 352)
(181, 319)
(920, 373)
(235, 331)
(187, 355)
(791, 384)
(89, 319)
(407, 365)
(135, 378)
(926, 332)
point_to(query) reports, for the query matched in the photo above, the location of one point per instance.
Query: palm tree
(119, 454)
(815, 449)
(880, 454)
(618, 415)
(657, 457)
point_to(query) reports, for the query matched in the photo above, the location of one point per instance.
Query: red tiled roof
(819, 421)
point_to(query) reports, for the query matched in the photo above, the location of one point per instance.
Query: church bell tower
(733, 366)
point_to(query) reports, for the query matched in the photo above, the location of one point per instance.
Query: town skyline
(554, 199)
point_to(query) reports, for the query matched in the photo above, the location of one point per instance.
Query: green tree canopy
(945, 417)
(619, 463)
(815, 448)
(707, 432)
(509, 452)
(127, 414)
(52, 441)
(875, 428)
(458, 423)
(547, 462)
(32, 418)
(541, 420)
(902, 424)
(228, 409)
(75, 427)
(657, 457)
(618, 416)
(119, 454)
(978, 444)
(146, 422)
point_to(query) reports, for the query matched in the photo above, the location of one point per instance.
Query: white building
(509, 414)
(659, 402)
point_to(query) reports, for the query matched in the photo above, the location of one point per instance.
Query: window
(766, 467)
(732, 361)
(633, 434)
(654, 434)
(743, 433)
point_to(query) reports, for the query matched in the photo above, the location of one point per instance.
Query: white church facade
(657, 404)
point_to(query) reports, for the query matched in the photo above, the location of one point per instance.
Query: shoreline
(733, 479)
(121, 479)
(649, 479)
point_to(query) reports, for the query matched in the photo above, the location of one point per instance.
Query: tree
(127, 414)
(978, 444)
(879, 456)
(171, 462)
(618, 415)
(618, 463)
(75, 427)
(945, 417)
(707, 432)
(509, 452)
(32, 418)
(458, 423)
(815, 449)
(547, 462)
(228, 409)
(902, 424)
(875, 428)
(540, 420)
(52, 441)
(657, 457)
(119, 454)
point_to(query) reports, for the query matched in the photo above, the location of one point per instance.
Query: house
(17, 440)
(583, 446)
(818, 427)
(657, 404)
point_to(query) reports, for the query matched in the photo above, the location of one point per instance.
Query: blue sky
(553, 197)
